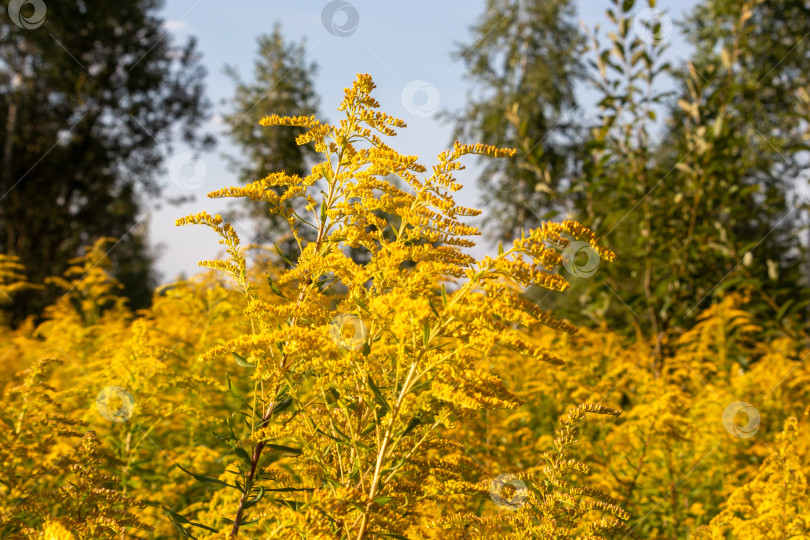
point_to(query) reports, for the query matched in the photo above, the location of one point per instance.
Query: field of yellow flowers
(415, 396)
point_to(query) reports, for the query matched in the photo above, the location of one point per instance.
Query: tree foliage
(282, 83)
(89, 101)
(696, 186)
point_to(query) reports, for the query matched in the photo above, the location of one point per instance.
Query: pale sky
(403, 45)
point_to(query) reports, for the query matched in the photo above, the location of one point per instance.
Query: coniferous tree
(282, 83)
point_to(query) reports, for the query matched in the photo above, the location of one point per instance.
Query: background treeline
(700, 187)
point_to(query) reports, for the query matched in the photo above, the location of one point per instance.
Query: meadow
(414, 394)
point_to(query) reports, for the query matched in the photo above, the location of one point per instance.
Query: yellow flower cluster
(395, 394)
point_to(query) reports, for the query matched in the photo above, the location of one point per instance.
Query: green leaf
(444, 295)
(389, 535)
(362, 306)
(201, 526)
(783, 311)
(176, 520)
(432, 307)
(174, 516)
(500, 249)
(323, 211)
(256, 499)
(280, 254)
(233, 390)
(425, 333)
(332, 396)
(285, 449)
(415, 421)
(295, 505)
(274, 287)
(243, 455)
(240, 360)
(206, 479)
(281, 405)
(322, 432)
(377, 394)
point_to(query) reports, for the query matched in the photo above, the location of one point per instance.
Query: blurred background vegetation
(701, 187)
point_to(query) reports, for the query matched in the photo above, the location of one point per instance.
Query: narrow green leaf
(175, 516)
(332, 396)
(336, 439)
(233, 390)
(784, 309)
(295, 505)
(362, 306)
(176, 519)
(240, 360)
(415, 421)
(280, 254)
(444, 295)
(243, 455)
(432, 307)
(500, 249)
(323, 211)
(274, 287)
(256, 499)
(377, 394)
(206, 479)
(281, 405)
(200, 525)
(425, 333)
(285, 449)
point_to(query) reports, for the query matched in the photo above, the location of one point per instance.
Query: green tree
(282, 84)
(695, 207)
(523, 61)
(92, 94)
(704, 208)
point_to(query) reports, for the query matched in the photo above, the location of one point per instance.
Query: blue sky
(398, 43)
